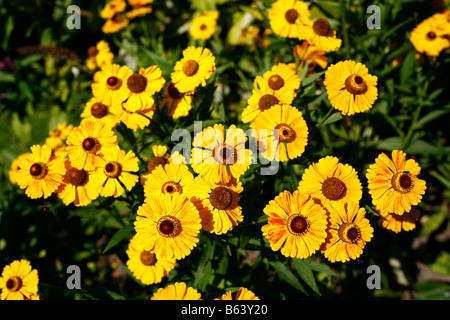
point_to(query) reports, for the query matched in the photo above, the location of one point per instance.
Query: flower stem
(325, 118)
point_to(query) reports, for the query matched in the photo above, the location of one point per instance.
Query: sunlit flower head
(176, 291)
(241, 294)
(178, 104)
(318, 33)
(431, 36)
(204, 25)
(108, 82)
(95, 110)
(19, 281)
(398, 223)
(284, 14)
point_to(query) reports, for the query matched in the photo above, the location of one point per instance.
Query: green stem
(326, 117)
(344, 28)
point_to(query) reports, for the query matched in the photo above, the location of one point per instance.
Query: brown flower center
(297, 224)
(99, 110)
(137, 83)
(173, 92)
(154, 162)
(275, 82)
(321, 27)
(14, 284)
(171, 187)
(267, 101)
(114, 83)
(38, 170)
(190, 67)
(355, 84)
(224, 154)
(112, 169)
(285, 133)
(220, 198)
(91, 145)
(148, 258)
(76, 177)
(291, 15)
(349, 232)
(92, 51)
(431, 35)
(333, 189)
(402, 182)
(203, 27)
(168, 226)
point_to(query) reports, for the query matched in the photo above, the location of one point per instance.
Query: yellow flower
(217, 203)
(178, 104)
(350, 87)
(330, 181)
(349, 231)
(86, 141)
(394, 184)
(241, 294)
(204, 25)
(176, 291)
(291, 137)
(139, 88)
(319, 34)
(169, 178)
(108, 82)
(263, 99)
(113, 7)
(309, 54)
(145, 265)
(99, 55)
(78, 187)
(19, 281)
(431, 36)
(41, 172)
(134, 120)
(297, 224)
(95, 110)
(114, 170)
(169, 225)
(280, 78)
(196, 66)
(220, 155)
(139, 12)
(398, 223)
(284, 15)
(115, 24)
(14, 168)
(57, 137)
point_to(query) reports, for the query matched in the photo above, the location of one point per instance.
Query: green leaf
(333, 118)
(434, 221)
(431, 116)
(204, 265)
(312, 78)
(407, 67)
(304, 269)
(287, 275)
(121, 234)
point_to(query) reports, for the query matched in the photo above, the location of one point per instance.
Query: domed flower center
(220, 198)
(224, 154)
(285, 133)
(168, 226)
(154, 162)
(76, 177)
(91, 145)
(275, 82)
(112, 169)
(431, 35)
(92, 51)
(190, 67)
(321, 27)
(402, 182)
(203, 27)
(297, 224)
(173, 92)
(171, 187)
(38, 170)
(333, 189)
(349, 232)
(267, 101)
(14, 284)
(99, 110)
(148, 258)
(291, 15)
(137, 83)
(114, 83)
(355, 84)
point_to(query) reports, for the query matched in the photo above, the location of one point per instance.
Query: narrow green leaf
(121, 234)
(287, 275)
(333, 118)
(303, 267)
